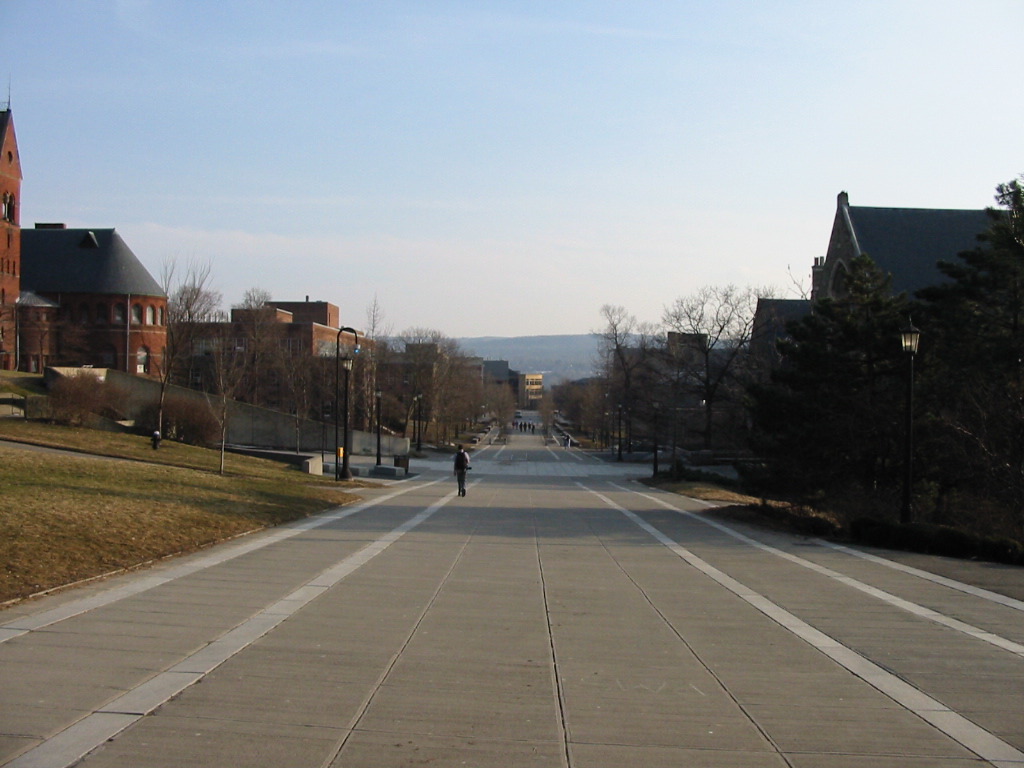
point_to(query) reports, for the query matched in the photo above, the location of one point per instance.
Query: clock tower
(10, 240)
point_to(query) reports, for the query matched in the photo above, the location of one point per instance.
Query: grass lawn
(64, 518)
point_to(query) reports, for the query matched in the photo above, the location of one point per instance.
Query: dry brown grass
(65, 518)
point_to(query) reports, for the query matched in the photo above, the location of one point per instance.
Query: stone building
(905, 243)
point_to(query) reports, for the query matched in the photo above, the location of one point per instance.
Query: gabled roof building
(906, 243)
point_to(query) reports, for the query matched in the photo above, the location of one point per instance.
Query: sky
(500, 167)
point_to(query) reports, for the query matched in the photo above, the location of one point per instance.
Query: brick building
(71, 296)
(110, 312)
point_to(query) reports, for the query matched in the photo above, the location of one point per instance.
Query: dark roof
(82, 261)
(908, 242)
(29, 299)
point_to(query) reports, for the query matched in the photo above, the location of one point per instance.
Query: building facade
(10, 241)
(905, 243)
(110, 312)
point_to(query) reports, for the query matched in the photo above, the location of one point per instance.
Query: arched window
(101, 314)
(838, 288)
(119, 314)
(108, 357)
(160, 313)
(150, 315)
(136, 314)
(142, 360)
(83, 314)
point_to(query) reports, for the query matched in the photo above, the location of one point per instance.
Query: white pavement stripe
(217, 556)
(879, 594)
(995, 597)
(76, 741)
(970, 735)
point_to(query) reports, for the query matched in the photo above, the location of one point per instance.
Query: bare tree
(709, 332)
(626, 346)
(228, 373)
(191, 303)
(376, 331)
(261, 338)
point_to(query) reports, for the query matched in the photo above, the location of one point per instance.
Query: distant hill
(559, 358)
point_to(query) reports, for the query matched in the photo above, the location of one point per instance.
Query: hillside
(559, 358)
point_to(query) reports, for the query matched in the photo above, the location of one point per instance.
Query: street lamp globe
(910, 337)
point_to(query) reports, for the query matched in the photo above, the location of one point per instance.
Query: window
(150, 315)
(161, 314)
(108, 357)
(136, 314)
(119, 314)
(83, 314)
(101, 314)
(142, 360)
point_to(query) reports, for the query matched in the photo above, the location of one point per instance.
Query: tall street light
(419, 423)
(909, 337)
(378, 396)
(618, 433)
(654, 474)
(342, 471)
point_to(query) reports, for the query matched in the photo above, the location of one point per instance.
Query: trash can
(403, 463)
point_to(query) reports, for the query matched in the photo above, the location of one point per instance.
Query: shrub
(935, 540)
(952, 542)
(186, 420)
(74, 399)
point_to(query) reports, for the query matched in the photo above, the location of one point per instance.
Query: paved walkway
(557, 616)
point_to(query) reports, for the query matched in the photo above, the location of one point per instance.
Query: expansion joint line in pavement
(563, 728)
(198, 563)
(968, 734)
(103, 724)
(886, 597)
(672, 628)
(360, 712)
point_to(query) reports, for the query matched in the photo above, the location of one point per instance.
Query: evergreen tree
(830, 419)
(974, 357)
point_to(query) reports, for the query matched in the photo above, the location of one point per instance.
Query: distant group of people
(525, 426)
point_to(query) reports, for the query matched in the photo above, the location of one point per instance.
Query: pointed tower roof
(10, 163)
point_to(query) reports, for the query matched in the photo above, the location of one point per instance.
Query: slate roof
(908, 242)
(82, 261)
(29, 299)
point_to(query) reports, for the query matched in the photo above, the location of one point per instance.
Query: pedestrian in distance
(156, 439)
(461, 466)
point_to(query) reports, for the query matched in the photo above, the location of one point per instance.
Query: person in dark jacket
(461, 465)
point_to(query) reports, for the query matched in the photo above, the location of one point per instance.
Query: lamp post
(378, 396)
(342, 472)
(618, 433)
(419, 423)
(909, 338)
(654, 474)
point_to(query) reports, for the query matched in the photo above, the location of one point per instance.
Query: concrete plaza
(559, 615)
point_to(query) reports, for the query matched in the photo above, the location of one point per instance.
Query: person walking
(461, 465)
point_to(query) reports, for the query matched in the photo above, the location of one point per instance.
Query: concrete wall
(247, 424)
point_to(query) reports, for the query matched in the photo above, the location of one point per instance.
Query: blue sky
(503, 168)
